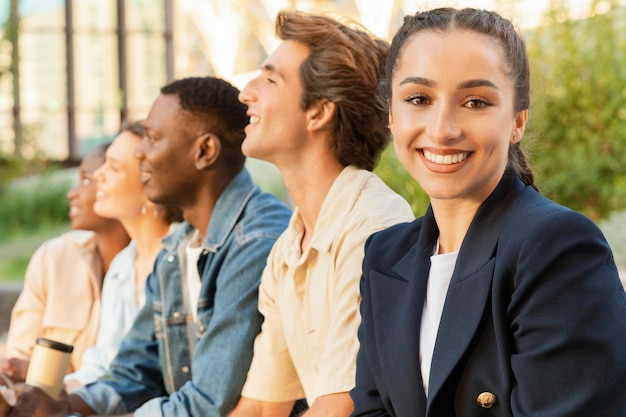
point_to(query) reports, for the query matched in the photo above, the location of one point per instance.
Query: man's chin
(152, 192)
(247, 148)
(156, 198)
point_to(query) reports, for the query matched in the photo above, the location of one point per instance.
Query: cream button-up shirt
(61, 297)
(308, 342)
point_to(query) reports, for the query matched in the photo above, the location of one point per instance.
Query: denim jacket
(171, 365)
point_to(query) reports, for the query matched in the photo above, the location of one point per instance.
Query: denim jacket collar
(240, 189)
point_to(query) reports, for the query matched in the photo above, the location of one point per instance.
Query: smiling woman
(485, 295)
(452, 123)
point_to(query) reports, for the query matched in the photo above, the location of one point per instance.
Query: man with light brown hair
(313, 114)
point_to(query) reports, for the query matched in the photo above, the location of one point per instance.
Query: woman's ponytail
(517, 161)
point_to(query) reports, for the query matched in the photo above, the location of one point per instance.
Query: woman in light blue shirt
(121, 195)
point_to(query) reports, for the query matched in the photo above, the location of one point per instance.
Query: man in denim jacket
(190, 347)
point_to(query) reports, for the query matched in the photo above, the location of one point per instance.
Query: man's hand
(33, 402)
(5, 408)
(14, 368)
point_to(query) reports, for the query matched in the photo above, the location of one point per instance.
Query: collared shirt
(167, 364)
(61, 297)
(308, 342)
(119, 309)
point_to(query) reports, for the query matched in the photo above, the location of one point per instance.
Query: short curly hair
(344, 66)
(213, 105)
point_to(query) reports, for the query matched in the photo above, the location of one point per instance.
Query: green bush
(578, 117)
(399, 180)
(10, 168)
(32, 206)
(14, 269)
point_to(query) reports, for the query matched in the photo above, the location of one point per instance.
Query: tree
(578, 116)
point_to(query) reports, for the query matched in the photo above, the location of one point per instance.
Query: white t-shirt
(441, 269)
(193, 249)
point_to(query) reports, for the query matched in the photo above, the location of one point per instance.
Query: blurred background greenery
(576, 134)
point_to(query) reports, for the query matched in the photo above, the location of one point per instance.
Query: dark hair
(134, 127)
(212, 104)
(344, 65)
(481, 21)
(171, 214)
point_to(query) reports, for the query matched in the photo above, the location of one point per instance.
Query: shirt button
(185, 369)
(486, 400)
(170, 258)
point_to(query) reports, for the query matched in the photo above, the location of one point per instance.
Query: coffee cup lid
(53, 344)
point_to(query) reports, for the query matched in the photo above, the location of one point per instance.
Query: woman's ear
(520, 125)
(207, 152)
(320, 114)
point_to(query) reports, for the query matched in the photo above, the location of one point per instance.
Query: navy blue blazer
(534, 322)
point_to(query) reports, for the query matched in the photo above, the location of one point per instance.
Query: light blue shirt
(118, 311)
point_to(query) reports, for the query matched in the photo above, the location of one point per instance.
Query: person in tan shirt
(314, 115)
(61, 295)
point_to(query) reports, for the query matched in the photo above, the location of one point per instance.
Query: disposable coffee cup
(48, 365)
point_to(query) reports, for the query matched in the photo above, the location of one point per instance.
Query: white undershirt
(193, 249)
(441, 269)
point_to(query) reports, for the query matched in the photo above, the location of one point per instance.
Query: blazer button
(486, 400)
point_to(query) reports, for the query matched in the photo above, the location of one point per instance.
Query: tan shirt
(308, 341)
(61, 297)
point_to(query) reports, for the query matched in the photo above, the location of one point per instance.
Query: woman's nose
(98, 173)
(72, 192)
(444, 126)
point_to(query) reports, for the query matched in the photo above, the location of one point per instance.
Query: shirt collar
(336, 207)
(227, 211)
